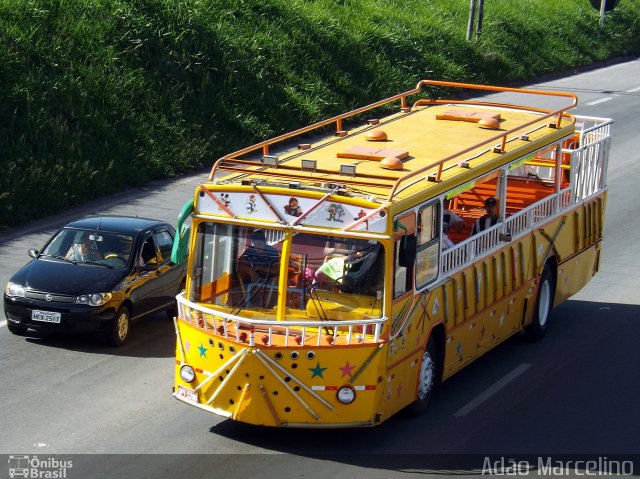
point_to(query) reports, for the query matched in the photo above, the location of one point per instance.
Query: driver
(85, 250)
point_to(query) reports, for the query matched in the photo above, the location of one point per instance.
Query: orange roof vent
(391, 163)
(489, 123)
(376, 135)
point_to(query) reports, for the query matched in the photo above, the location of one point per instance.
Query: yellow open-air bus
(328, 283)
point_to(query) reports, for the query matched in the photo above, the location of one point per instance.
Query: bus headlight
(346, 394)
(187, 373)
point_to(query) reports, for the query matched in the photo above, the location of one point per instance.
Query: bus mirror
(180, 245)
(181, 241)
(407, 254)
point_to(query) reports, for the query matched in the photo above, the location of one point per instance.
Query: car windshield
(90, 247)
(328, 277)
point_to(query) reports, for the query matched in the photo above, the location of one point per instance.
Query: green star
(203, 351)
(317, 371)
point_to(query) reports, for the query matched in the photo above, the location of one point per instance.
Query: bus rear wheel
(544, 305)
(427, 379)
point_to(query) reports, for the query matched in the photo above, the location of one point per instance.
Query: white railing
(244, 330)
(593, 129)
(464, 253)
(588, 177)
(589, 161)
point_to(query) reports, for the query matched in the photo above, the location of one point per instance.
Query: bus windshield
(239, 268)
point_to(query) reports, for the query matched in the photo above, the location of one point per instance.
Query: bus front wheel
(427, 378)
(544, 305)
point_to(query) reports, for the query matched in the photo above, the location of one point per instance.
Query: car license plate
(188, 394)
(45, 316)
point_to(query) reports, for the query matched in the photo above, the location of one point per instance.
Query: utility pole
(480, 14)
(472, 14)
(603, 8)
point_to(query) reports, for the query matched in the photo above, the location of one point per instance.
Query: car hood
(59, 277)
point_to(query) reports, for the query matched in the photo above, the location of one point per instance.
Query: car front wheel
(118, 330)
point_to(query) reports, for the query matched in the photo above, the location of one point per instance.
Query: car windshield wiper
(56, 256)
(97, 263)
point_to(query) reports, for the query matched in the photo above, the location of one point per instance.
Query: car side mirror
(34, 253)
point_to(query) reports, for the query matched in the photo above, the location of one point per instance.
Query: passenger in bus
(446, 241)
(336, 254)
(490, 219)
(452, 221)
(261, 256)
(258, 272)
(364, 274)
(350, 269)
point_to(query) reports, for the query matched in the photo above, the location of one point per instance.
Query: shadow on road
(575, 398)
(151, 337)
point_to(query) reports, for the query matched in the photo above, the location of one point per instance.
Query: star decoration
(347, 370)
(317, 371)
(203, 351)
(187, 345)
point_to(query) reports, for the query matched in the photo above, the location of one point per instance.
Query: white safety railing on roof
(588, 177)
(301, 333)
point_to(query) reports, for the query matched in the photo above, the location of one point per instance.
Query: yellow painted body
(267, 376)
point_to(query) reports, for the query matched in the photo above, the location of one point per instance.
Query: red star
(347, 370)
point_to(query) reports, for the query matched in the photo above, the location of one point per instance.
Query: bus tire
(544, 305)
(427, 378)
(118, 330)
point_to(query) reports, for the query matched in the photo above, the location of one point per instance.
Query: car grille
(54, 298)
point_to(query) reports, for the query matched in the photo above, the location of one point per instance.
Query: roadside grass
(101, 95)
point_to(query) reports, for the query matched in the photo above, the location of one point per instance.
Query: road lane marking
(3, 323)
(601, 100)
(497, 386)
(633, 90)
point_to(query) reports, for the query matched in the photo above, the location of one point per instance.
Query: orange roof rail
(233, 159)
(502, 137)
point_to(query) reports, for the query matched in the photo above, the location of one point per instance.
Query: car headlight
(14, 290)
(346, 394)
(187, 373)
(96, 299)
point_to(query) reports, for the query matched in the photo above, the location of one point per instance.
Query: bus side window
(428, 254)
(404, 253)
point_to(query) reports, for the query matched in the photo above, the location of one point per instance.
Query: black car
(96, 274)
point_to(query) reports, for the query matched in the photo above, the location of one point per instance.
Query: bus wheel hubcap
(426, 375)
(543, 303)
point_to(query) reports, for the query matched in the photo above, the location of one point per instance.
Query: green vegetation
(101, 95)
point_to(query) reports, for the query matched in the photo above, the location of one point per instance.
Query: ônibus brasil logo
(36, 468)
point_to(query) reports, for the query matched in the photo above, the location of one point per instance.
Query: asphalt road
(575, 392)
